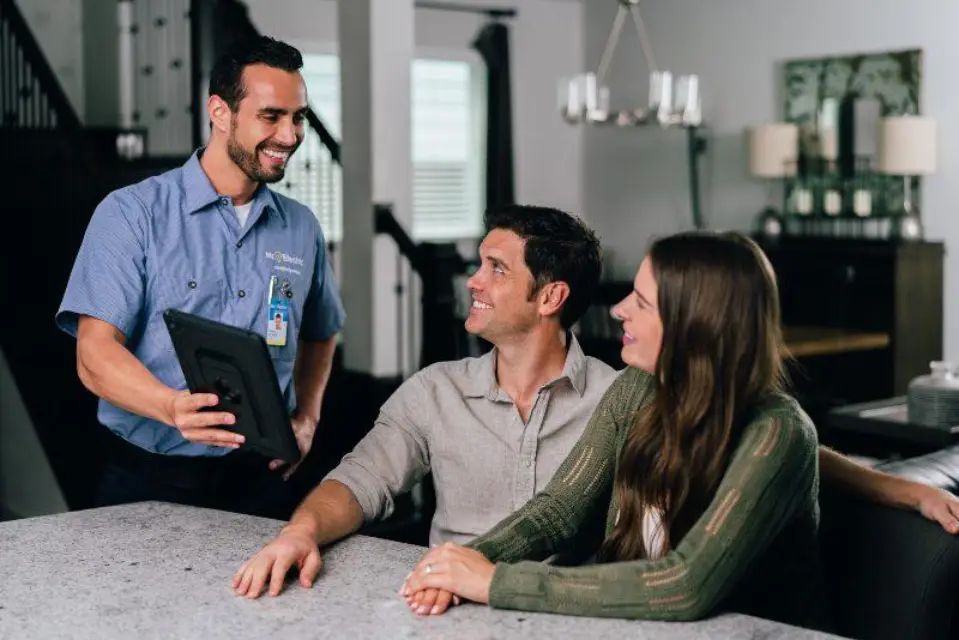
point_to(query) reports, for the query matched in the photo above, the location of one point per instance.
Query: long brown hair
(721, 354)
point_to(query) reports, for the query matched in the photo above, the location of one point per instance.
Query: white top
(652, 533)
(243, 212)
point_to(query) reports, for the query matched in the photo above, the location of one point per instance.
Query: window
(447, 149)
(311, 175)
(447, 154)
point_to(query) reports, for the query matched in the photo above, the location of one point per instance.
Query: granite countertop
(155, 570)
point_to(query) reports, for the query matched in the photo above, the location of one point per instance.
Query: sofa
(892, 573)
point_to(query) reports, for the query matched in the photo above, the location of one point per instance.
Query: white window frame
(477, 137)
(477, 179)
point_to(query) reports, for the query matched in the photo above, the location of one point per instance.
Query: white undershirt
(652, 533)
(243, 212)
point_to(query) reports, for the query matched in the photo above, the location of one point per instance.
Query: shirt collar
(483, 382)
(575, 368)
(199, 191)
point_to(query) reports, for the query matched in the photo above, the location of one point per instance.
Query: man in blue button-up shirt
(207, 239)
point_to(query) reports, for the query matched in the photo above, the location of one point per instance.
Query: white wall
(58, 27)
(546, 44)
(636, 181)
(28, 487)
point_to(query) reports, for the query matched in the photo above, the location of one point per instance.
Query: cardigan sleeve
(769, 478)
(580, 489)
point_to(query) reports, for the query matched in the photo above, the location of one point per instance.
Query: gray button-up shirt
(452, 418)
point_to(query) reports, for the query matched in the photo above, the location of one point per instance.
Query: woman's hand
(452, 568)
(430, 602)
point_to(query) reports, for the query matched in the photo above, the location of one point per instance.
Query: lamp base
(770, 223)
(907, 225)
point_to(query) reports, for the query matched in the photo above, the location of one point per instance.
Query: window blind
(446, 150)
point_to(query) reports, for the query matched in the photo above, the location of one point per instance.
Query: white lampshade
(773, 149)
(907, 145)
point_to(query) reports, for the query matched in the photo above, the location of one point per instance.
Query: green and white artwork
(815, 89)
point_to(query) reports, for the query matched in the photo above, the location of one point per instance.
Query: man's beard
(249, 161)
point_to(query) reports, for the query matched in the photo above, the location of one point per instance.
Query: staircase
(55, 173)
(30, 95)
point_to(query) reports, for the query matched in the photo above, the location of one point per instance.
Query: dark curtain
(492, 42)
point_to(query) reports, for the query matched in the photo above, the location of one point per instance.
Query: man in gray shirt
(495, 429)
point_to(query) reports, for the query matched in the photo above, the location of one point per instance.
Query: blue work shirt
(173, 241)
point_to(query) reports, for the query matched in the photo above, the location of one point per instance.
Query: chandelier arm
(643, 36)
(611, 43)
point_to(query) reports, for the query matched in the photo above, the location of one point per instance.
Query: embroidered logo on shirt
(284, 258)
(281, 260)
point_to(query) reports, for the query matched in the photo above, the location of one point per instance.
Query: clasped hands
(444, 576)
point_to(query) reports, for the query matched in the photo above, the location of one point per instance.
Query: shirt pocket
(191, 294)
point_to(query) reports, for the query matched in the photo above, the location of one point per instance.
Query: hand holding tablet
(193, 415)
(235, 365)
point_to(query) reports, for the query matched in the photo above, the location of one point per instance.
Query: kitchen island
(157, 570)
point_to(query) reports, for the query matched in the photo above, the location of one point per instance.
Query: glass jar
(933, 399)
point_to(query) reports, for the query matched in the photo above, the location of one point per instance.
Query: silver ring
(428, 568)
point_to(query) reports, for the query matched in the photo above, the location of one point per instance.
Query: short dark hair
(226, 78)
(559, 247)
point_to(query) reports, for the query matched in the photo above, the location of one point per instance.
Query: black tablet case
(235, 365)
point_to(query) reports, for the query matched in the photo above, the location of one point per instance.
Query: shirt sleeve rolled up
(393, 456)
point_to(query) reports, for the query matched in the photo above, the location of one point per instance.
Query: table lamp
(907, 148)
(773, 150)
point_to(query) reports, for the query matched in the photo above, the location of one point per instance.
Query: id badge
(278, 319)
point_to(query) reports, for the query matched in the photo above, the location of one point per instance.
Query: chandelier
(673, 102)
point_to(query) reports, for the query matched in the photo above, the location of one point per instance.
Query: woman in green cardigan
(704, 472)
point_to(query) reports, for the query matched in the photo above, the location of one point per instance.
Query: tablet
(235, 364)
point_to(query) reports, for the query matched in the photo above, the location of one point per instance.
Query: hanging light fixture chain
(643, 36)
(611, 43)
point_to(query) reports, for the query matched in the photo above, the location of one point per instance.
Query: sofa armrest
(939, 468)
(891, 573)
